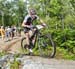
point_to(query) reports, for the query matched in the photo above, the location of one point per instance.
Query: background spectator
(2, 31)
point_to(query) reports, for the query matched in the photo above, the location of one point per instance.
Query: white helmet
(32, 11)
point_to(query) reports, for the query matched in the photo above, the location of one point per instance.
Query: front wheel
(47, 46)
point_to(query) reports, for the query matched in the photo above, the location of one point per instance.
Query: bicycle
(44, 43)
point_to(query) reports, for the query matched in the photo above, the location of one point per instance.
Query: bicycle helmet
(32, 11)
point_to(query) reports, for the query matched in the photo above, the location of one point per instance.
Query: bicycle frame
(43, 45)
(36, 32)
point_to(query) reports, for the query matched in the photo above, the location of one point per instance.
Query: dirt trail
(43, 63)
(5, 46)
(16, 48)
(35, 62)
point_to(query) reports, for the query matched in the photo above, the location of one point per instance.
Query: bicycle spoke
(24, 47)
(46, 48)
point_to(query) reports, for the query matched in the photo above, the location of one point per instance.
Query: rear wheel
(23, 46)
(47, 46)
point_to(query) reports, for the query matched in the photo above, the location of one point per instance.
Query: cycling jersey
(28, 20)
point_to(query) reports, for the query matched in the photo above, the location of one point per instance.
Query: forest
(59, 15)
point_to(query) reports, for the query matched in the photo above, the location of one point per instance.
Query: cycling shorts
(26, 30)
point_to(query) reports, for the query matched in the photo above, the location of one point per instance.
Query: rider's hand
(43, 24)
(28, 26)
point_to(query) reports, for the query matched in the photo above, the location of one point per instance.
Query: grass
(64, 54)
(61, 53)
(14, 65)
(2, 53)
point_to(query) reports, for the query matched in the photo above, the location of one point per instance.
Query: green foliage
(15, 65)
(58, 14)
(64, 54)
(65, 39)
(2, 53)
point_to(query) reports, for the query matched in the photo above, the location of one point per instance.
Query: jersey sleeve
(26, 19)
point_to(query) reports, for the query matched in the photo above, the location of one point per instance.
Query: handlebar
(40, 26)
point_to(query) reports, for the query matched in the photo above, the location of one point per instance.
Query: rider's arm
(24, 25)
(42, 22)
(25, 21)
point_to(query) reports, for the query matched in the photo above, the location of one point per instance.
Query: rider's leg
(27, 41)
(30, 46)
(26, 31)
(30, 33)
(27, 38)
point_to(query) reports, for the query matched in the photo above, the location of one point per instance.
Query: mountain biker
(27, 24)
